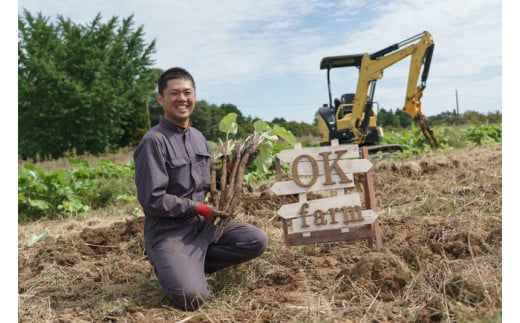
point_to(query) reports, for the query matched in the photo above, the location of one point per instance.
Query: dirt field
(441, 261)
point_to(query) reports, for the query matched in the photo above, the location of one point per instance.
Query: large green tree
(81, 88)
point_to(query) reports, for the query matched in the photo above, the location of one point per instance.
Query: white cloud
(231, 46)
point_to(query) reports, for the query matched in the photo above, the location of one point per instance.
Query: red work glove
(214, 216)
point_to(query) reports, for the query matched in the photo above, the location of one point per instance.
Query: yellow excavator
(352, 119)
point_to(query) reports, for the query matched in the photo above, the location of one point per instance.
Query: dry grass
(441, 222)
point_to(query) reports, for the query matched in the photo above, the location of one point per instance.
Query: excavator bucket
(422, 122)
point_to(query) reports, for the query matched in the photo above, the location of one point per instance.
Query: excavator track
(383, 150)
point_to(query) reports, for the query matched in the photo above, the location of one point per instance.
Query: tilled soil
(441, 261)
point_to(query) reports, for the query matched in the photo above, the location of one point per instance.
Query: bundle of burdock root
(231, 159)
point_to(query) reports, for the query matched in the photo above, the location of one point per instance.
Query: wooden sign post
(343, 215)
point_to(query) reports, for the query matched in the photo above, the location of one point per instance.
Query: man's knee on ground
(188, 299)
(261, 243)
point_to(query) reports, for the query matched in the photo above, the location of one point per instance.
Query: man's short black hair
(173, 73)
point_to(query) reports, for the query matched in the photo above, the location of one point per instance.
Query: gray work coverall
(172, 176)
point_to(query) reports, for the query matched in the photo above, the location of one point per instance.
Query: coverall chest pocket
(179, 175)
(203, 165)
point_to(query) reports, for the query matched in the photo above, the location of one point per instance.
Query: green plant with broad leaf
(70, 191)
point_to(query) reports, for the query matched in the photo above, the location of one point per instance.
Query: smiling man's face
(178, 101)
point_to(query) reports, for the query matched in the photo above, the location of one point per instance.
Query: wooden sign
(342, 216)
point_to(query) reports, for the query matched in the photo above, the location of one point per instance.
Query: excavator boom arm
(372, 67)
(420, 58)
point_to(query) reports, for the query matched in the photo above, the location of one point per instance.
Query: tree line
(90, 89)
(401, 120)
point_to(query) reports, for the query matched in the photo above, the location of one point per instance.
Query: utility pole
(457, 101)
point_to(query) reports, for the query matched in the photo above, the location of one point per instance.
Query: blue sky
(264, 56)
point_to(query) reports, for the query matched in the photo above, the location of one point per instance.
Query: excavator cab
(335, 117)
(344, 104)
